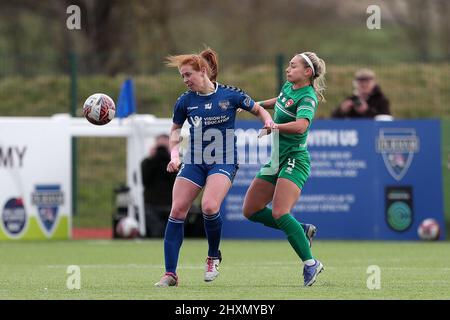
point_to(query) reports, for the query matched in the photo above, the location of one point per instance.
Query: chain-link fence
(36, 85)
(44, 85)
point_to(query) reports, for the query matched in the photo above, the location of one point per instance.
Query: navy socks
(213, 229)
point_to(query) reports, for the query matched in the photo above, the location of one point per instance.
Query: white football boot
(212, 267)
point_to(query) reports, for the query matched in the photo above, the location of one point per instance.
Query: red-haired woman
(211, 161)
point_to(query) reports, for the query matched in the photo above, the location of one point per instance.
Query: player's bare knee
(210, 206)
(178, 212)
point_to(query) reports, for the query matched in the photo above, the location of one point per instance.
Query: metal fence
(36, 85)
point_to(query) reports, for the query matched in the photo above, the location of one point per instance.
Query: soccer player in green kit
(281, 180)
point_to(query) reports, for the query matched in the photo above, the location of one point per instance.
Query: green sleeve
(306, 108)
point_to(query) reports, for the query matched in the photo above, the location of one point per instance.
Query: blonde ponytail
(318, 79)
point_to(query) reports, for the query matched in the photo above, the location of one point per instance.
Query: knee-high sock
(213, 228)
(295, 235)
(265, 217)
(173, 239)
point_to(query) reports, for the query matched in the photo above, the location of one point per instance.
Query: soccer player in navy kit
(211, 161)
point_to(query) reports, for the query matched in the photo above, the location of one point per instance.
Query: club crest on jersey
(224, 104)
(289, 103)
(48, 199)
(397, 146)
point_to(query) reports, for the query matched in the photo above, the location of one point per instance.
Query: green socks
(264, 216)
(295, 235)
(291, 227)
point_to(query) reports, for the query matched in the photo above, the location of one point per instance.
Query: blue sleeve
(179, 111)
(244, 101)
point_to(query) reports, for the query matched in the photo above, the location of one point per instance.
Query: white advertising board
(35, 179)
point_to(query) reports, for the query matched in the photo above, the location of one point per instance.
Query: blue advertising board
(371, 180)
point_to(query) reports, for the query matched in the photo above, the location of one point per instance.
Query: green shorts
(295, 168)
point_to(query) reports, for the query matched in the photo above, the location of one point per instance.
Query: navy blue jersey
(211, 118)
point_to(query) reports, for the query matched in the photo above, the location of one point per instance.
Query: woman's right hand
(174, 165)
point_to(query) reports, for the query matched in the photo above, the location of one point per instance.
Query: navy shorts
(198, 173)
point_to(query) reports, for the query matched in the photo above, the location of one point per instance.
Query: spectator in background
(367, 101)
(158, 184)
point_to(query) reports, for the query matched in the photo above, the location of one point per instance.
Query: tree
(443, 7)
(414, 18)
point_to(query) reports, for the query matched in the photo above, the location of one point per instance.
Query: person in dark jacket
(367, 101)
(158, 184)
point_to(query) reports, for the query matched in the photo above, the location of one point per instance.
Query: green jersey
(293, 104)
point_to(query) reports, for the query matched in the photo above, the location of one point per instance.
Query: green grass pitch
(250, 270)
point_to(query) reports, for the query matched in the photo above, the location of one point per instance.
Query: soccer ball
(127, 228)
(429, 230)
(99, 109)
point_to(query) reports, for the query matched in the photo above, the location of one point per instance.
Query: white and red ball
(429, 229)
(127, 227)
(99, 109)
